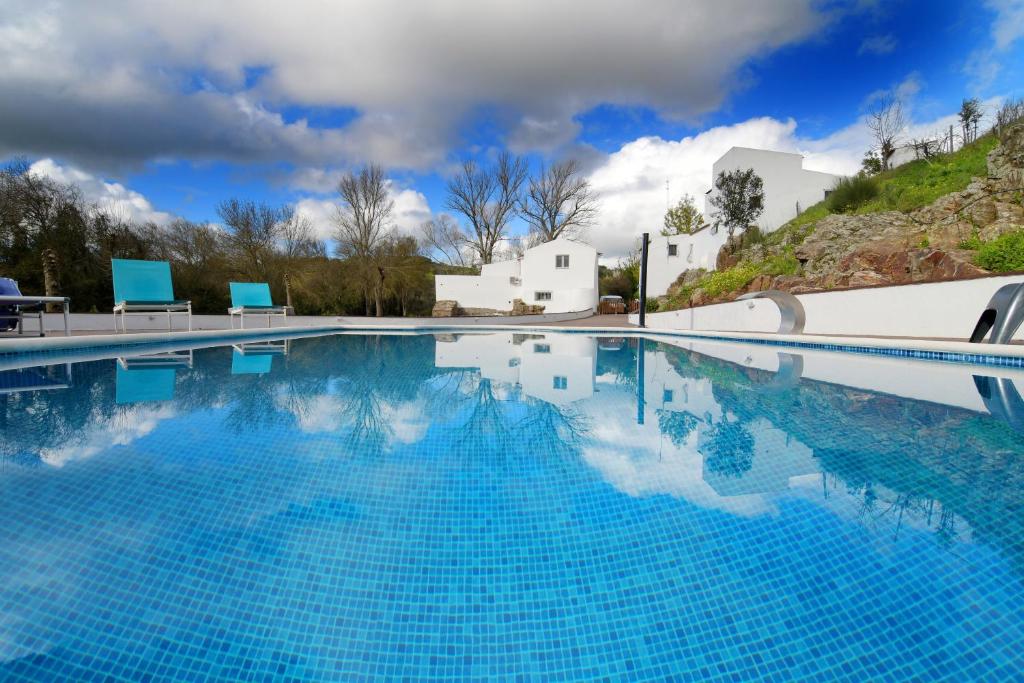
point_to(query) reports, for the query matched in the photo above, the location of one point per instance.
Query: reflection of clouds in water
(119, 429)
(639, 460)
(320, 414)
(409, 422)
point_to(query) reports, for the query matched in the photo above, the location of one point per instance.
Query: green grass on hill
(921, 182)
(909, 186)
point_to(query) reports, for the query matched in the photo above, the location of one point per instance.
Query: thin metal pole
(643, 279)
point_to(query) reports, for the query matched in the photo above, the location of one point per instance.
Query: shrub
(724, 281)
(652, 305)
(972, 243)
(1003, 254)
(751, 236)
(849, 193)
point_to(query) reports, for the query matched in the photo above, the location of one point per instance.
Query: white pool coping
(946, 350)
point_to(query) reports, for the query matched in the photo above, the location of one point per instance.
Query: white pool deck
(219, 333)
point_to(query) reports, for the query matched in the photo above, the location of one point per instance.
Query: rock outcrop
(452, 309)
(446, 309)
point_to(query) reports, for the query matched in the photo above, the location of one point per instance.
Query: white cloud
(878, 45)
(1008, 26)
(113, 198)
(125, 82)
(983, 65)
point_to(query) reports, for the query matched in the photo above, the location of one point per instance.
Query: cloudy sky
(165, 108)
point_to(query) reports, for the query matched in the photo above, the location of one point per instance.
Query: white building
(561, 276)
(789, 188)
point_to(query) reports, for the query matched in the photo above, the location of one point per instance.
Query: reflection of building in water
(739, 458)
(558, 369)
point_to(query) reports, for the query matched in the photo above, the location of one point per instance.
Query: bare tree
(558, 203)
(1010, 112)
(363, 225)
(298, 239)
(927, 148)
(253, 231)
(488, 198)
(886, 122)
(444, 238)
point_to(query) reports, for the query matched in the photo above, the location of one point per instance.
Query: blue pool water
(518, 507)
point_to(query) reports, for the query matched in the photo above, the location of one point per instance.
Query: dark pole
(643, 279)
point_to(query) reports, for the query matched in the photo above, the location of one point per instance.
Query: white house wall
(786, 183)
(692, 251)
(572, 289)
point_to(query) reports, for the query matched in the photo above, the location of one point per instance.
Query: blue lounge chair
(252, 298)
(15, 307)
(143, 287)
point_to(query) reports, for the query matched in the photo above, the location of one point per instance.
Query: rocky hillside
(939, 241)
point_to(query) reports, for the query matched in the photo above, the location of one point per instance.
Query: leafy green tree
(682, 219)
(871, 164)
(970, 115)
(739, 200)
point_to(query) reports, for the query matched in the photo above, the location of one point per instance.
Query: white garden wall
(938, 309)
(477, 291)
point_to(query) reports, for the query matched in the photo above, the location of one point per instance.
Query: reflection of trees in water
(552, 429)
(38, 420)
(677, 425)
(729, 450)
(903, 458)
(513, 423)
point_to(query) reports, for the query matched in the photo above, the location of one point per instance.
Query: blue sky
(179, 106)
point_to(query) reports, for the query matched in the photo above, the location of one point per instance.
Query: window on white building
(666, 396)
(560, 382)
(542, 296)
(673, 250)
(562, 261)
(542, 348)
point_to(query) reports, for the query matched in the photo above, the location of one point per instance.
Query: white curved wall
(947, 310)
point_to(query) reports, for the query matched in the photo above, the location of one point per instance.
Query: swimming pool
(509, 506)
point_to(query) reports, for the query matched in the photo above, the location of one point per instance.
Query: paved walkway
(594, 321)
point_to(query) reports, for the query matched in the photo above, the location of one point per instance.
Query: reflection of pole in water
(640, 380)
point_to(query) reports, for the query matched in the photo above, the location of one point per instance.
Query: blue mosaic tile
(449, 506)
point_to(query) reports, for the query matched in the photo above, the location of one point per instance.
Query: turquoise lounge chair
(252, 298)
(144, 287)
